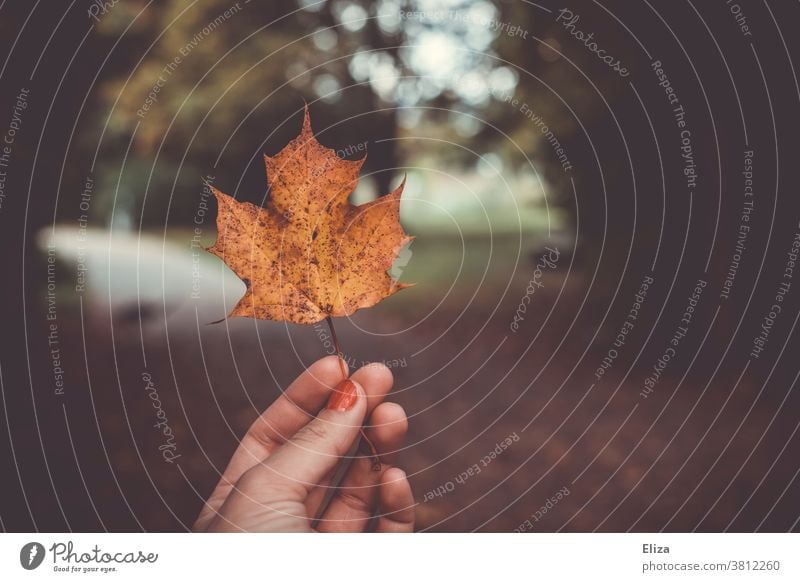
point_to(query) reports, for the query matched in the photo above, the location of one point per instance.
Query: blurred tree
(225, 81)
(222, 82)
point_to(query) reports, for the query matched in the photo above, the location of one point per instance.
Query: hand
(278, 477)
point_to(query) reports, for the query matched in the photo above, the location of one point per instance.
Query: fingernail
(344, 396)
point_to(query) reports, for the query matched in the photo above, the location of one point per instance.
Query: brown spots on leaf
(309, 253)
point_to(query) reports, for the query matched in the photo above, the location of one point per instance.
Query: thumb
(315, 449)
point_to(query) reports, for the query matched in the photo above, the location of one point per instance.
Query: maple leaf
(308, 253)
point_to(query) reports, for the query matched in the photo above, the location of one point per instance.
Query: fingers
(271, 496)
(377, 381)
(395, 503)
(354, 502)
(298, 404)
(292, 410)
(314, 451)
(387, 428)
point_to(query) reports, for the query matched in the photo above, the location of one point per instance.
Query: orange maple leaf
(308, 253)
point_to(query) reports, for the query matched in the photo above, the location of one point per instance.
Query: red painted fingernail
(344, 396)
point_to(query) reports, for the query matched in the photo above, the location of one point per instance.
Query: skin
(278, 476)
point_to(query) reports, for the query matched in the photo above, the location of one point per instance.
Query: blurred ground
(467, 384)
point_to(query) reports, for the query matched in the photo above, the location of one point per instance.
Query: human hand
(278, 476)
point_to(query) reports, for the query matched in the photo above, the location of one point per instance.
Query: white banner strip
(351, 557)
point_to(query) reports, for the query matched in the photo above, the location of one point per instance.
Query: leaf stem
(376, 460)
(344, 465)
(336, 345)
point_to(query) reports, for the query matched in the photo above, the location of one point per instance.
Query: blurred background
(549, 194)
